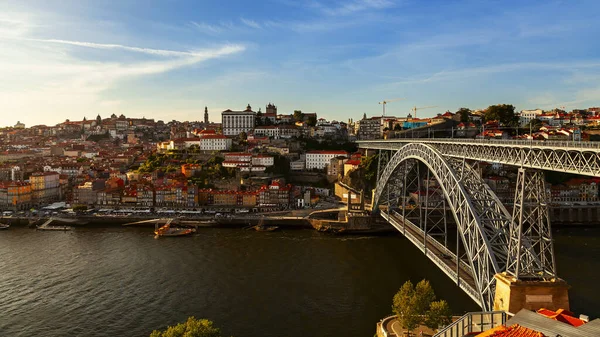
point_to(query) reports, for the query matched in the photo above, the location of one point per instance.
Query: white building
(238, 156)
(527, 116)
(320, 159)
(236, 122)
(215, 143)
(262, 160)
(269, 131)
(298, 165)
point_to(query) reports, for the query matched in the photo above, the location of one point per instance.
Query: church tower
(205, 115)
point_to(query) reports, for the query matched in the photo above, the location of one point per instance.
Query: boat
(261, 227)
(4, 226)
(167, 231)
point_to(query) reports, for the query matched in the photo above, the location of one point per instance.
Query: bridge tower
(530, 279)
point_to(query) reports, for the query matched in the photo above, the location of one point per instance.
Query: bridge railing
(395, 221)
(473, 322)
(434, 242)
(518, 142)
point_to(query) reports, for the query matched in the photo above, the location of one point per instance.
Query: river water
(123, 282)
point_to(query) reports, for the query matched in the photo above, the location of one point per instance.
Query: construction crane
(384, 103)
(414, 109)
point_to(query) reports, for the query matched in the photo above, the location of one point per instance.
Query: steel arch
(482, 221)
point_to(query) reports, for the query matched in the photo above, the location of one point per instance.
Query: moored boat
(4, 226)
(167, 230)
(261, 227)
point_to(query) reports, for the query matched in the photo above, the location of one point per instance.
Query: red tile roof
(340, 152)
(513, 331)
(561, 315)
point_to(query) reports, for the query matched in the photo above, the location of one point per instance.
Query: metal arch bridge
(420, 181)
(562, 156)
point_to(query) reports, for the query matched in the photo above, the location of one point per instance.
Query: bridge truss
(419, 187)
(570, 157)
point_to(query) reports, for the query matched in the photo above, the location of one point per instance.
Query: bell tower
(205, 115)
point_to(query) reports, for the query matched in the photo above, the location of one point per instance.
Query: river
(122, 282)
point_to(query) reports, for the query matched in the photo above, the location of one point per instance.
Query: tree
(80, 208)
(191, 328)
(397, 127)
(312, 120)
(259, 118)
(465, 114)
(504, 113)
(404, 308)
(243, 135)
(535, 125)
(424, 295)
(298, 115)
(417, 305)
(439, 314)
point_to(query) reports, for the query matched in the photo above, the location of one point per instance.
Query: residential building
(320, 159)
(215, 143)
(275, 194)
(45, 187)
(263, 160)
(236, 122)
(351, 165)
(298, 165)
(336, 166)
(369, 128)
(15, 195)
(527, 116)
(85, 194)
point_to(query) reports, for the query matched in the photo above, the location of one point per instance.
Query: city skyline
(67, 60)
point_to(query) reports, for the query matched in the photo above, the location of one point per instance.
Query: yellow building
(45, 187)
(15, 195)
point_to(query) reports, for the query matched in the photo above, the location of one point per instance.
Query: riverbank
(145, 221)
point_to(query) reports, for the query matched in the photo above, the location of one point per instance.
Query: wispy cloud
(207, 28)
(449, 75)
(250, 23)
(150, 51)
(351, 7)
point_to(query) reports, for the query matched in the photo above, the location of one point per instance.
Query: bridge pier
(513, 294)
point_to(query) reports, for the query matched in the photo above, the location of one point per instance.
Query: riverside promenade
(391, 327)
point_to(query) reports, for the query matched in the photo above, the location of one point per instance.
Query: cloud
(250, 23)
(207, 28)
(351, 7)
(500, 68)
(45, 83)
(157, 52)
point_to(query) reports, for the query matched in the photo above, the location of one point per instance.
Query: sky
(169, 59)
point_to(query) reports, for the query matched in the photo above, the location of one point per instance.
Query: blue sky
(168, 59)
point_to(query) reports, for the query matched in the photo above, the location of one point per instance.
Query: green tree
(504, 113)
(404, 308)
(191, 328)
(397, 127)
(259, 118)
(312, 120)
(465, 114)
(417, 305)
(439, 314)
(424, 295)
(535, 125)
(243, 135)
(80, 208)
(298, 115)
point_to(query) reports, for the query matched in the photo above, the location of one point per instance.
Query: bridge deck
(520, 143)
(560, 156)
(444, 258)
